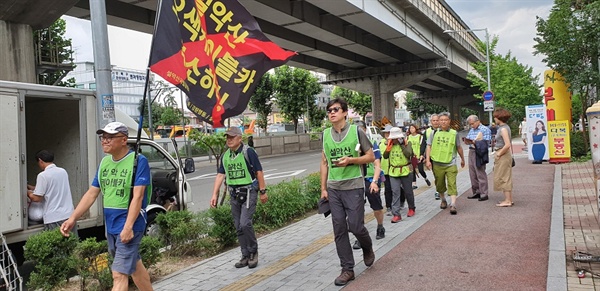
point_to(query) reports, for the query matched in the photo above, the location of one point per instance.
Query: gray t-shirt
(499, 140)
(454, 152)
(365, 145)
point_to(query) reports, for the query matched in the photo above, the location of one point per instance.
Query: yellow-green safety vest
(399, 164)
(443, 146)
(415, 142)
(345, 148)
(236, 170)
(385, 163)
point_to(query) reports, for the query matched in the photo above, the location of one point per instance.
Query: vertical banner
(537, 133)
(557, 97)
(559, 141)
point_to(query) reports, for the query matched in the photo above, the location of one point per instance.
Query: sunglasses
(334, 109)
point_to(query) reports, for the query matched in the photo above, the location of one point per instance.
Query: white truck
(64, 121)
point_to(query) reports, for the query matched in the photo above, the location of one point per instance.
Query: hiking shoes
(253, 260)
(356, 245)
(396, 219)
(444, 204)
(344, 278)
(369, 257)
(380, 232)
(411, 213)
(437, 196)
(242, 263)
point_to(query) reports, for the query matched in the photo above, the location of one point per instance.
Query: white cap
(113, 128)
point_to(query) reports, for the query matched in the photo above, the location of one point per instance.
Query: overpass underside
(376, 47)
(383, 82)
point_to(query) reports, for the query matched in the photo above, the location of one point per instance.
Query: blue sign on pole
(488, 96)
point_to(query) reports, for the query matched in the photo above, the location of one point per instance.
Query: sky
(512, 20)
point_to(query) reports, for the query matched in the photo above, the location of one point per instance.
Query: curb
(557, 267)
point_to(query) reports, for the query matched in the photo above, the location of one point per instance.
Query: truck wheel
(152, 228)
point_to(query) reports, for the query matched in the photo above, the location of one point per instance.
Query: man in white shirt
(52, 187)
(523, 131)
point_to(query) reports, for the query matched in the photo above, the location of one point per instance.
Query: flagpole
(147, 84)
(141, 122)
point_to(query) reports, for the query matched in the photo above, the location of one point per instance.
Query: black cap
(324, 207)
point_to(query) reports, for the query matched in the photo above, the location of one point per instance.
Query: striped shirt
(485, 131)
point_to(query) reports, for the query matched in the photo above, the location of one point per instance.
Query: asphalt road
(276, 169)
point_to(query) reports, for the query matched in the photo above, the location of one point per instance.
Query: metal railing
(10, 279)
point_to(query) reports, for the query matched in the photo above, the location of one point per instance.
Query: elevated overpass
(376, 47)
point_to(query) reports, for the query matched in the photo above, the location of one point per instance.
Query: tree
(513, 83)
(260, 102)
(569, 40)
(359, 102)
(170, 116)
(53, 47)
(420, 108)
(316, 116)
(215, 144)
(294, 89)
(157, 111)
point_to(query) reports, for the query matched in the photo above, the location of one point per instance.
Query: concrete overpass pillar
(16, 53)
(382, 102)
(453, 106)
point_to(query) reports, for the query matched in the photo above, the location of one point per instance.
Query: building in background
(128, 85)
(325, 95)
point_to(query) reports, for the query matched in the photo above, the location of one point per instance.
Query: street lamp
(487, 55)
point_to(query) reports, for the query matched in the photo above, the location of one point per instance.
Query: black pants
(387, 192)
(421, 171)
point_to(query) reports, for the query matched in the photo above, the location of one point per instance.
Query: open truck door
(11, 158)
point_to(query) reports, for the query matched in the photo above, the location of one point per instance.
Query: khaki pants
(445, 179)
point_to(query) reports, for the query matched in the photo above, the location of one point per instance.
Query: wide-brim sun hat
(396, 133)
(387, 128)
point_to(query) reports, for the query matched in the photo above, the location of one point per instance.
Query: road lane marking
(284, 174)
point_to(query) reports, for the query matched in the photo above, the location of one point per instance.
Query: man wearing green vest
(243, 173)
(123, 212)
(442, 147)
(345, 149)
(435, 124)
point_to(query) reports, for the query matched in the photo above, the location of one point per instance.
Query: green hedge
(578, 146)
(188, 233)
(182, 230)
(288, 200)
(51, 253)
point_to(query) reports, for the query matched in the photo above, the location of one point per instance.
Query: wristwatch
(262, 191)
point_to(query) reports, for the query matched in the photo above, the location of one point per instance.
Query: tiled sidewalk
(582, 229)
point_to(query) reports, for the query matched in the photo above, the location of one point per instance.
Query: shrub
(578, 145)
(181, 229)
(285, 202)
(222, 229)
(150, 250)
(313, 190)
(92, 261)
(51, 253)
